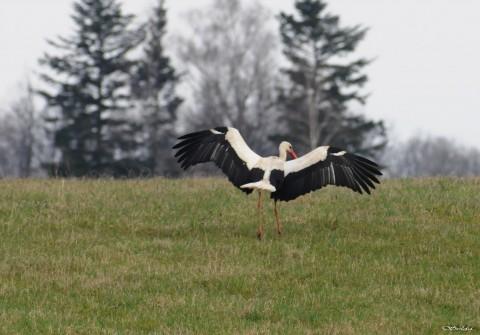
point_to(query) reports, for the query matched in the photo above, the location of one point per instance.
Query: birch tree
(230, 60)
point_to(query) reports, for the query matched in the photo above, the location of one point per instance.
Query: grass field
(181, 257)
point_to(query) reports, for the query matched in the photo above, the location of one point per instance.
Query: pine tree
(323, 82)
(154, 85)
(89, 95)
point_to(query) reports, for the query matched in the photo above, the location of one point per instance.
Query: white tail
(260, 185)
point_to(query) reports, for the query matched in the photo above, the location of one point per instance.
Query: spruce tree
(154, 85)
(89, 98)
(323, 80)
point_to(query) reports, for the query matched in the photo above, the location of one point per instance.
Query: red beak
(293, 154)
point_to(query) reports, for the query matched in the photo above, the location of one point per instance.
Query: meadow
(181, 257)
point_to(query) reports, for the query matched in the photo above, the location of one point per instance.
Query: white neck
(282, 154)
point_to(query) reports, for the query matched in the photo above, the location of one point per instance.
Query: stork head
(286, 148)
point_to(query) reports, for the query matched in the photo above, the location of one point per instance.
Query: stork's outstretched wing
(327, 166)
(226, 148)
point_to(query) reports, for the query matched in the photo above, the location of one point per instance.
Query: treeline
(113, 101)
(426, 156)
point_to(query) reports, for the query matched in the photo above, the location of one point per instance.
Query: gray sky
(426, 77)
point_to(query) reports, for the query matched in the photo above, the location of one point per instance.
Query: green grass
(181, 257)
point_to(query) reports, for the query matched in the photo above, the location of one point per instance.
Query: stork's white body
(267, 164)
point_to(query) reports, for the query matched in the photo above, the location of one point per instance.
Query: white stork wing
(327, 166)
(226, 148)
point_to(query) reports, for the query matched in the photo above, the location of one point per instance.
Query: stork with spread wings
(284, 180)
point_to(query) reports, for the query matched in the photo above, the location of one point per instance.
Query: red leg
(277, 219)
(260, 231)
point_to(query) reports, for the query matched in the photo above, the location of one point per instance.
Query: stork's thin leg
(279, 226)
(259, 215)
(259, 202)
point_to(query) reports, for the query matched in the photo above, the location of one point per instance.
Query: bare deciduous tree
(8, 161)
(231, 65)
(431, 156)
(20, 138)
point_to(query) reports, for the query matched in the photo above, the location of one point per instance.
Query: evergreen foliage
(154, 85)
(323, 82)
(89, 98)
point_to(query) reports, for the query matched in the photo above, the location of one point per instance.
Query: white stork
(284, 180)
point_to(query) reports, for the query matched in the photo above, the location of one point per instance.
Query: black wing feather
(207, 146)
(346, 170)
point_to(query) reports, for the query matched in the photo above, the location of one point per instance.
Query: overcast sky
(426, 77)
